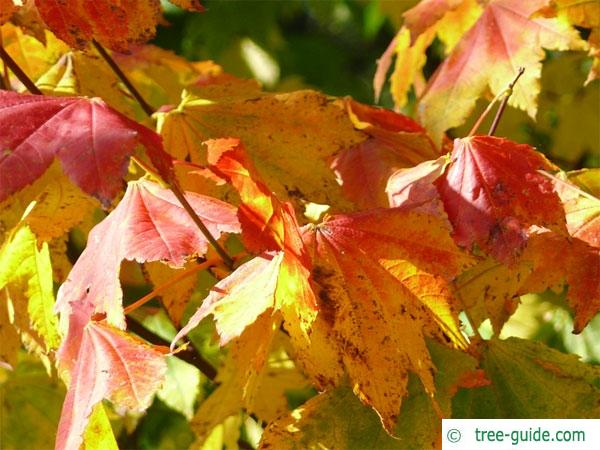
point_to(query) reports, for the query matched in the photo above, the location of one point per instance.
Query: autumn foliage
(347, 253)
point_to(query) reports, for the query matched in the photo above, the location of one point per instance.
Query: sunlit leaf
(503, 39)
(522, 373)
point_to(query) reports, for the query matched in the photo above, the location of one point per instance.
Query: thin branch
(485, 113)
(4, 79)
(163, 287)
(189, 355)
(505, 101)
(117, 70)
(228, 260)
(22, 76)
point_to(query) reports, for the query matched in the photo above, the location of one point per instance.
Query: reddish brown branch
(117, 70)
(189, 355)
(504, 102)
(22, 76)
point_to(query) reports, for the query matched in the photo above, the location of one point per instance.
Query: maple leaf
(351, 425)
(91, 141)
(31, 54)
(244, 371)
(413, 188)
(557, 259)
(446, 19)
(491, 289)
(85, 74)
(281, 133)
(160, 75)
(28, 267)
(7, 7)
(521, 373)
(53, 203)
(503, 39)
(115, 25)
(110, 364)
(395, 141)
(582, 207)
(383, 285)
(149, 224)
(583, 13)
(279, 277)
(492, 193)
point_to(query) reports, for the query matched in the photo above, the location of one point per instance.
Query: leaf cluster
(322, 273)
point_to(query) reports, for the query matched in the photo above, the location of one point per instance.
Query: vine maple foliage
(207, 186)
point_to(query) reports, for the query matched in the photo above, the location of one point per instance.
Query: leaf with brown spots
(492, 192)
(114, 24)
(281, 132)
(382, 282)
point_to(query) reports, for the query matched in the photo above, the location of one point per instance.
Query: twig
(180, 276)
(228, 260)
(4, 80)
(189, 355)
(485, 113)
(506, 93)
(186, 205)
(22, 76)
(504, 102)
(117, 70)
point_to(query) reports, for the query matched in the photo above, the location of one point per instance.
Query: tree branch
(189, 355)
(22, 76)
(505, 101)
(186, 205)
(174, 187)
(117, 70)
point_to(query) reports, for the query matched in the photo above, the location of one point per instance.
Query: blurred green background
(333, 45)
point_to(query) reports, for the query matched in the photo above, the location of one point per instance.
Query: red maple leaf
(149, 224)
(109, 364)
(92, 142)
(492, 192)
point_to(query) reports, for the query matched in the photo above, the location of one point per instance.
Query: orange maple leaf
(504, 38)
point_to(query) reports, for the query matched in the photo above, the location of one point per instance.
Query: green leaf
(181, 386)
(531, 380)
(98, 434)
(31, 403)
(24, 264)
(334, 419)
(337, 419)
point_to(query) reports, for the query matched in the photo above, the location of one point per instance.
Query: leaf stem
(176, 190)
(22, 76)
(117, 70)
(486, 112)
(189, 355)
(180, 276)
(505, 101)
(506, 93)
